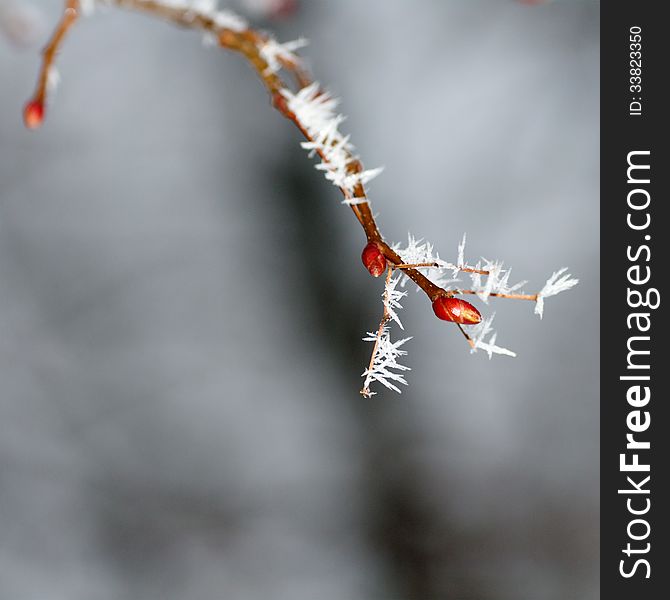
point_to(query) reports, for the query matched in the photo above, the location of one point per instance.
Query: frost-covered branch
(314, 112)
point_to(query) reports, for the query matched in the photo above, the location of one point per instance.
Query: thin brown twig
(532, 297)
(68, 19)
(435, 265)
(417, 265)
(467, 337)
(471, 270)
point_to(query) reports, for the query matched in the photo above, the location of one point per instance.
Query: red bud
(456, 310)
(374, 259)
(33, 114)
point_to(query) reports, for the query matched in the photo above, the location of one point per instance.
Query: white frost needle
(385, 362)
(392, 298)
(559, 281)
(275, 53)
(461, 252)
(478, 334)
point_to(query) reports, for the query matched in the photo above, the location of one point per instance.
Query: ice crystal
(479, 332)
(461, 252)
(418, 251)
(557, 283)
(275, 53)
(385, 352)
(392, 299)
(226, 19)
(385, 363)
(496, 282)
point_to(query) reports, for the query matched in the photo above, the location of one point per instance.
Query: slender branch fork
(253, 45)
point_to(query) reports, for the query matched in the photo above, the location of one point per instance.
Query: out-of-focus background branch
(182, 302)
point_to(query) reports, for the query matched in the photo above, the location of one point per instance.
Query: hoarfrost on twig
(419, 251)
(275, 53)
(557, 283)
(496, 282)
(315, 110)
(385, 362)
(461, 251)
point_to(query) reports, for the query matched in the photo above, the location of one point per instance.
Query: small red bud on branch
(373, 259)
(33, 114)
(456, 310)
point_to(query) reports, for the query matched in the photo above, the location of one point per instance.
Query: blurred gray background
(182, 302)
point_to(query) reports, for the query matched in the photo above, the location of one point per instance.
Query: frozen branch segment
(560, 281)
(385, 353)
(419, 251)
(226, 19)
(276, 54)
(496, 282)
(385, 362)
(315, 111)
(478, 334)
(496, 277)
